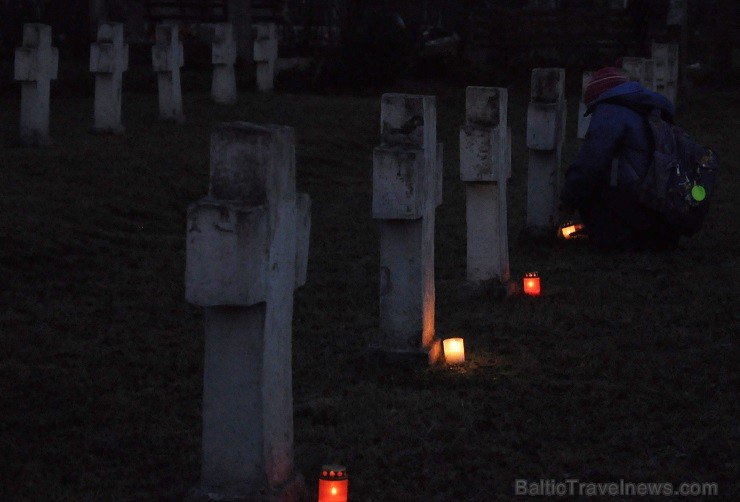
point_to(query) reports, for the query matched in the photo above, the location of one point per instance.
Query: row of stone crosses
(37, 62)
(247, 242)
(247, 250)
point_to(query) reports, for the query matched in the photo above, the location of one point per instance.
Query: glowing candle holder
(454, 350)
(532, 284)
(570, 230)
(333, 484)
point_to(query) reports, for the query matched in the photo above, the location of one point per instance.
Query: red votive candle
(532, 284)
(333, 484)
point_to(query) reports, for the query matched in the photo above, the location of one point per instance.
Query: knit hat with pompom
(601, 81)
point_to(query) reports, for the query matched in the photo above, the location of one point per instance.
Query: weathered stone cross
(546, 117)
(640, 70)
(223, 57)
(247, 250)
(666, 69)
(167, 59)
(407, 187)
(108, 61)
(265, 54)
(36, 64)
(485, 164)
(583, 121)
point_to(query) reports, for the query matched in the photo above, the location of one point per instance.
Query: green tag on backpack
(698, 193)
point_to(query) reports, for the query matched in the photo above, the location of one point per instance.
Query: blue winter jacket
(617, 130)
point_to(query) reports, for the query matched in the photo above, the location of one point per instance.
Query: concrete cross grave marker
(406, 190)
(167, 59)
(108, 61)
(666, 69)
(648, 74)
(247, 250)
(583, 120)
(36, 64)
(223, 57)
(546, 117)
(634, 68)
(485, 163)
(265, 54)
(640, 70)
(678, 33)
(677, 12)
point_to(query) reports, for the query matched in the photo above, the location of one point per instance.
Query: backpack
(681, 179)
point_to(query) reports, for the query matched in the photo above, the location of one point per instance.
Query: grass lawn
(626, 368)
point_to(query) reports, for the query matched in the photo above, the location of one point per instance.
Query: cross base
(421, 357)
(538, 234)
(35, 139)
(494, 287)
(116, 129)
(172, 119)
(294, 490)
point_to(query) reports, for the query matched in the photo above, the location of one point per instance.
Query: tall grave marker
(648, 73)
(167, 59)
(666, 69)
(677, 24)
(640, 70)
(247, 250)
(223, 57)
(485, 162)
(546, 117)
(108, 61)
(583, 120)
(634, 68)
(265, 54)
(36, 64)
(406, 191)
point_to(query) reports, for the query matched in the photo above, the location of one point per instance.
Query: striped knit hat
(601, 81)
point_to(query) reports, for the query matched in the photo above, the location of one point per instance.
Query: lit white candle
(454, 350)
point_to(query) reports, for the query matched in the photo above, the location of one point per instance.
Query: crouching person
(601, 181)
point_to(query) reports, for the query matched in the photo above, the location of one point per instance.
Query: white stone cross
(648, 74)
(677, 12)
(167, 59)
(640, 70)
(546, 117)
(36, 64)
(583, 121)
(407, 189)
(265, 54)
(223, 57)
(634, 68)
(666, 69)
(247, 251)
(108, 61)
(485, 164)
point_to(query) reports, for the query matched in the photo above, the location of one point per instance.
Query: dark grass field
(626, 367)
